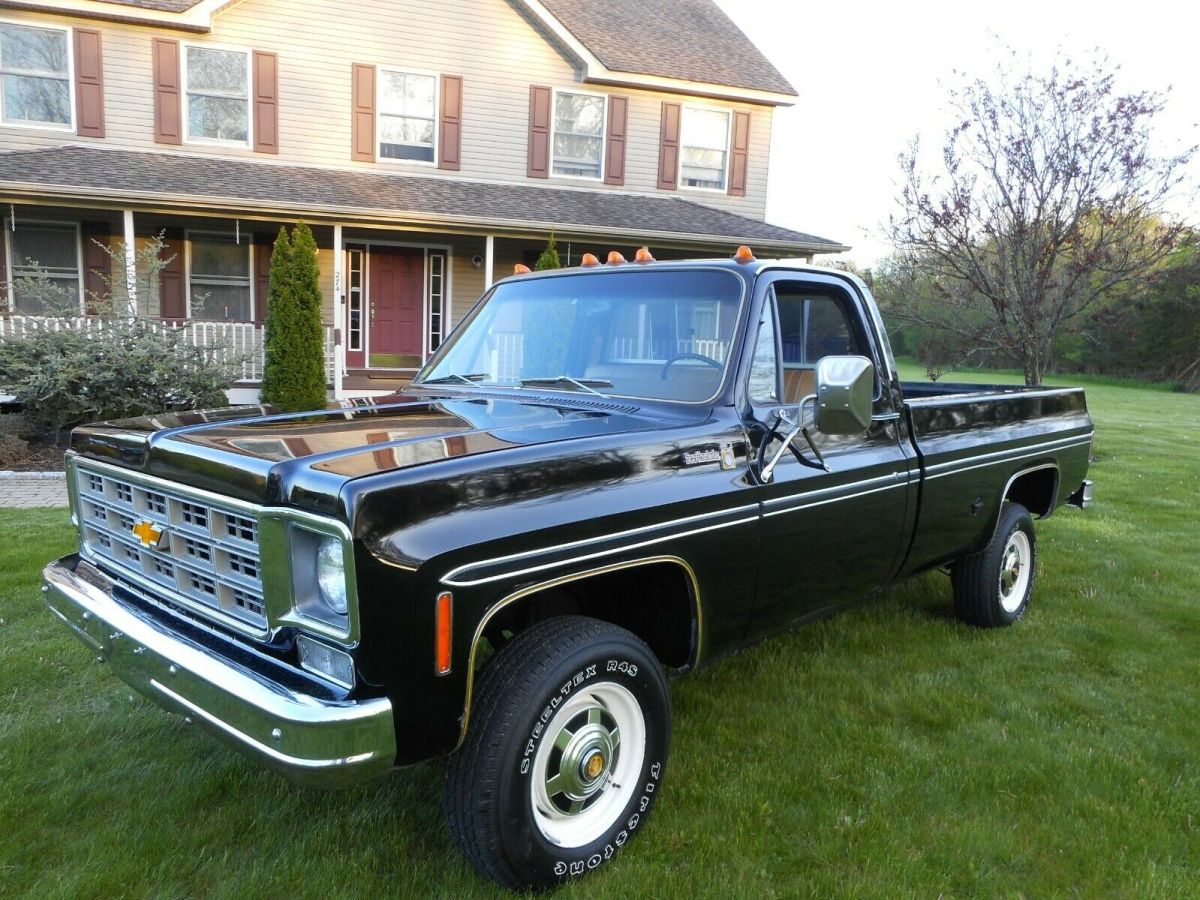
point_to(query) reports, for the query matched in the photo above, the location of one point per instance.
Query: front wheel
(564, 753)
(993, 587)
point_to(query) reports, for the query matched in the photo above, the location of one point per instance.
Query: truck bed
(972, 442)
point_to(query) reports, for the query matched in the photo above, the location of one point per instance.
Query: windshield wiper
(473, 378)
(585, 384)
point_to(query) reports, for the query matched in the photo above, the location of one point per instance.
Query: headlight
(331, 575)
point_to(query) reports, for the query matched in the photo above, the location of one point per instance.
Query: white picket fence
(240, 343)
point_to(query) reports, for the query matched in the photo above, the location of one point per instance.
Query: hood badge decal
(724, 455)
(148, 533)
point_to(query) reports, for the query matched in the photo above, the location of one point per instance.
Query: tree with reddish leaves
(1045, 196)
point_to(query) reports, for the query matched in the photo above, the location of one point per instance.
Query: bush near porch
(888, 751)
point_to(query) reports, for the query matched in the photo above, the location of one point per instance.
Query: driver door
(828, 537)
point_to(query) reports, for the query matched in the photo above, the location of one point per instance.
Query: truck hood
(260, 455)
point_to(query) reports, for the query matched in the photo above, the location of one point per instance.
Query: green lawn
(887, 752)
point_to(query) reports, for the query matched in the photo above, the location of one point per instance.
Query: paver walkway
(26, 491)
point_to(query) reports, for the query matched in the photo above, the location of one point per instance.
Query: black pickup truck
(607, 475)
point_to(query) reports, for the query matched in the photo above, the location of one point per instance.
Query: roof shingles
(85, 172)
(692, 40)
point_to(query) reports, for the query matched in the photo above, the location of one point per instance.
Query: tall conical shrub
(294, 373)
(549, 258)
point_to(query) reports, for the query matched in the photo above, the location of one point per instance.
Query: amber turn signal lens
(615, 258)
(744, 254)
(589, 259)
(442, 632)
(643, 255)
(521, 269)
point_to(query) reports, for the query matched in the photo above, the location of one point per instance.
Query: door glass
(814, 322)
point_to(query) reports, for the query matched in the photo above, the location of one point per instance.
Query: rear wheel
(564, 753)
(993, 587)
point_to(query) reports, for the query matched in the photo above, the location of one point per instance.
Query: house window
(354, 295)
(704, 144)
(35, 69)
(44, 262)
(218, 105)
(437, 299)
(578, 134)
(407, 115)
(219, 278)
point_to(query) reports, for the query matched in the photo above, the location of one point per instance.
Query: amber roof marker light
(744, 254)
(615, 258)
(644, 255)
(521, 269)
(589, 259)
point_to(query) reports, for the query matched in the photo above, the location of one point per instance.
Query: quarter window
(578, 134)
(219, 278)
(45, 269)
(704, 146)
(35, 69)
(407, 115)
(218, 105)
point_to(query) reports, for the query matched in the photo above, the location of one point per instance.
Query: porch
(401, 259)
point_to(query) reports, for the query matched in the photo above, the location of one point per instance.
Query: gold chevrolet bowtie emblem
(148, 533)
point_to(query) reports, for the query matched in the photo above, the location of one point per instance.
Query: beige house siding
(492, 46)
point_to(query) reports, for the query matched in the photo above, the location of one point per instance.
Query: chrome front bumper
(312, 741)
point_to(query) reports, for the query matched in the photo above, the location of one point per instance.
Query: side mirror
(845, 389)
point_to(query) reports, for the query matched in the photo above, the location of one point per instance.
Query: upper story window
(217, 83)
(704, 148)
(578, 134)
(407, 115)
(44, 262)
(35, 66)
(219, 278)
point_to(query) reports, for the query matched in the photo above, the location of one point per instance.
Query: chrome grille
(207, 558)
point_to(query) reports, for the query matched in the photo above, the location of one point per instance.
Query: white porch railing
(240, 343)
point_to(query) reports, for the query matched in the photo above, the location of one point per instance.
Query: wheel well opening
(1035, 491)
(653, 600)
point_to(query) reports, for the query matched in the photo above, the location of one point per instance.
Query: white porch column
(339, 311)
(489, 261)
(130, 261)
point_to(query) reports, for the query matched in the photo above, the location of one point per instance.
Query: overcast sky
(873, 75)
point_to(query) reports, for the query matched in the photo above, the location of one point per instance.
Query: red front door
(396, 292)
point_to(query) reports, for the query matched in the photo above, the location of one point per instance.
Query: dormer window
(578, 134)
(218, 106)
(704, 148)
(36, 75)
(407, 115)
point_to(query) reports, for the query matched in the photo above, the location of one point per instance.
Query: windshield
(652, 334)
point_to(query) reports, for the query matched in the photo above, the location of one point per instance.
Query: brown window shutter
(362, 128)
(172, 304)
(89, 83)
(668, 147)
(168, 96)
(740, 154)
(450, 123)
(539, 131)
(266, 102)
(614, 152)
(263, 245)
(97, 264)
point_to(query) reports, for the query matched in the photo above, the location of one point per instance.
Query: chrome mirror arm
(798, 426)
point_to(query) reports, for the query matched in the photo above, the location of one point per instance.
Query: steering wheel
(707, 360)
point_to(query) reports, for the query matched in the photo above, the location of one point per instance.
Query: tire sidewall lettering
(565, 689)
(564, 868)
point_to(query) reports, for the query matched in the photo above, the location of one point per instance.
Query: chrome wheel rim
(586, 768)
(1016, 568)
